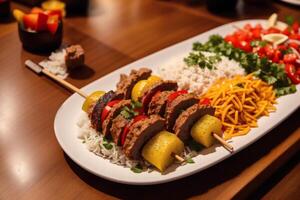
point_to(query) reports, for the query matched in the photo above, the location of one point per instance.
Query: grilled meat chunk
(188, 118)
(139, 133)
(158, 103)
(160, 86)
(115, 111)
(174, 109)
(74, 56)
(98, 108)
(127, 82)
(117, 127)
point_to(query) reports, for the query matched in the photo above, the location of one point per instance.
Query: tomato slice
(205, 101)
(126, 129)
(107, 109)
(292, 73)
(290, 58)
(174, 95)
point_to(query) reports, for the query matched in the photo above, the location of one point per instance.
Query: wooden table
(113, 34)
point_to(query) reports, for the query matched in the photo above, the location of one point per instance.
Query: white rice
(195, 79)
(56, 63)
(94, 143)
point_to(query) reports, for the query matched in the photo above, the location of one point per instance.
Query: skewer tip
(33, 66)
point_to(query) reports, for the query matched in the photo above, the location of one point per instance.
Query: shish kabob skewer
(38, 69)
(149, 153)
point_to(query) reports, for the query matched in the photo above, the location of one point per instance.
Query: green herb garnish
(258, 43)
(128, 113)
(107, 144)
(289, 20)
(137, 169)
(199, 59)
(190, 161)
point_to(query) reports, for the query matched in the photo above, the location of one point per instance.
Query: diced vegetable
(203, 129)
(158, 150)
(143, 85)
(91, 99)
(138, 89)
(18, 14)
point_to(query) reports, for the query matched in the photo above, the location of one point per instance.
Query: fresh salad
(271, 53)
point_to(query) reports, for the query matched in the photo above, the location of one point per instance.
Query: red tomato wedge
(36, 10)
(205, 101)
(52, 23)
(36, 21)
(174, 95)
(292, 73)
(107, 109)
(126, 129)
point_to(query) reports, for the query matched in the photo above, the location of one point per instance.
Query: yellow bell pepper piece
(203, 129)
(91, 99)
(158, 150)
(143, 85)
(18, 14)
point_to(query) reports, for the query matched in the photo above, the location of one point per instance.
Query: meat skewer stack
(141, 131)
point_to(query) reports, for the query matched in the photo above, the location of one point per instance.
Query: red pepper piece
(126, 129)
(174, 95)
(107, 109)
(205, 101)
(292, 74)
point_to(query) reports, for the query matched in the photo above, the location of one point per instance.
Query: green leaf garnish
(137, 169)
(289, 20)
(190, 161)
(107, 144)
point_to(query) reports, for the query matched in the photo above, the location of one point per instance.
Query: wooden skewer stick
(36, 68)
(64, 83)
(223, 142)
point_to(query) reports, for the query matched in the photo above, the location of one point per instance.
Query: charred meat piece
(160, 86)
(178, 105)
(188, 118)
(127, 82)
(98, 108)
(74, 56)
(139, 133)
(158, 103)
(117, 127)
(114, 112)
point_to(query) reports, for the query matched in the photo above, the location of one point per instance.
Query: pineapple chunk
(158, 150)
(203, 129)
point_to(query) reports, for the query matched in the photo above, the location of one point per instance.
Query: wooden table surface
(115, 33)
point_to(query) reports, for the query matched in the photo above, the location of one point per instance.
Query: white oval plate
(67, 116)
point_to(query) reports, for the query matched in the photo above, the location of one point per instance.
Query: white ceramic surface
(293, 2)
(67, 116)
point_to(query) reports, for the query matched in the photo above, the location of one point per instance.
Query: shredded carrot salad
(239, 102)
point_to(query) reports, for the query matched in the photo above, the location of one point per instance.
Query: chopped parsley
(258, 43)
(270, 72)
(137, 169)
(289, 20)
(107, 144)
(128, 113)
(197, 58)
(190, 161)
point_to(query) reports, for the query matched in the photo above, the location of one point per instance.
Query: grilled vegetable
(141, 86)
(91, 99)
(203, 129)
(158, 151)
(138, 89)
